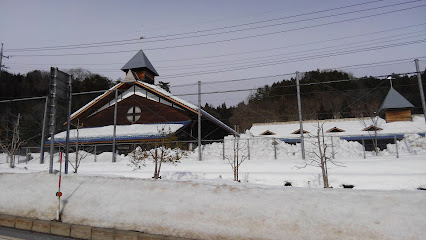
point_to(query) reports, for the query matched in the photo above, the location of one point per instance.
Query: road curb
(77, 231)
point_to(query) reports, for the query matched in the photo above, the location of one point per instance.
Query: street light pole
(422, 94)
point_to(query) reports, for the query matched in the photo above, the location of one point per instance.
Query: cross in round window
(133, 114)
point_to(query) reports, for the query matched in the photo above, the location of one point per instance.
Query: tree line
(325, 95)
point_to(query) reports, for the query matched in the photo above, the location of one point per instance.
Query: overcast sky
(210, 41)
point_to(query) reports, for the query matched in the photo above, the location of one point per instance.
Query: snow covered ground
(198, 199)
(382, 172)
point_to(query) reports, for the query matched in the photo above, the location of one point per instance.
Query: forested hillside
(325, 94)
(35, 84)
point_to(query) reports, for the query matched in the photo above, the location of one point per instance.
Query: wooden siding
(141, 74)
(145, 75)
(398, 115)
(152, 112)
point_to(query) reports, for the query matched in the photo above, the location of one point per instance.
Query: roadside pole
(115, 127)
(422, 94)
(299, 107)
(53, 76)
(199, 122)
(58, 193)
(43, 131)
(67, 144)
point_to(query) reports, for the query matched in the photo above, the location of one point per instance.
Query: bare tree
(372, 121)
(79, 154)
(319, 157)
(164, 149)
(236, 158)
(10, 140)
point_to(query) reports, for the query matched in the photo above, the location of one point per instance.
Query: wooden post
(363, 144)
(275, 148)
(223, 149)
(26, 156)
(248, 148)
(396, 146)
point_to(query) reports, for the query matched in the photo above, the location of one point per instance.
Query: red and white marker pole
(59, 194)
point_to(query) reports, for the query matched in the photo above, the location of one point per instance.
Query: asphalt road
(16, 234)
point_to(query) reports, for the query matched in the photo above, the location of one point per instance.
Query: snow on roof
(123, 132)
(95, 100)
(351, 127)
(164, 92)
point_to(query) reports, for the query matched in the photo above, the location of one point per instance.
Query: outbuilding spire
(394, 100)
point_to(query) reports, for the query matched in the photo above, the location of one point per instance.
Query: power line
(268, 20)
(281, 75)
(297, 59)
(290, 46)
(250, 60)
(228, 91)
(280, 24)
(120, 42)
(302, 84)
(225, 40)
(248, 52)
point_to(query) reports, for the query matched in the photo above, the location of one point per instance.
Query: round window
(133, 114)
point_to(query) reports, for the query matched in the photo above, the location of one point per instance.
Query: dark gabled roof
(298, 131)
(335, 129)
(395, 100)
(139, 61)
(267, 132)
(372, 128)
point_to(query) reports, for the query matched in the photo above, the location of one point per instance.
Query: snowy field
(382, 172)
(198, 199)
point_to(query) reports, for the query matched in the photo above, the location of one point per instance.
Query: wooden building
(395, 107)
(142, 108)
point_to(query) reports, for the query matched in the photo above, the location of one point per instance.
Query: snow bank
(263, 148)
(216, 210)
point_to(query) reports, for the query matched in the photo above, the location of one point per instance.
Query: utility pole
(199, 121)
(115, 126)
(299, 106)
(1, 59)
(67, 144)
(422, 94)
(43, 131)
(52, 125)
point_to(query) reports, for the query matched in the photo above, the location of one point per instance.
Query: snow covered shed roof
(395, 100)
(351, 127)
(139, 61)
(124, 133)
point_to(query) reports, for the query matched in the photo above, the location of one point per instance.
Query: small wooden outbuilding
(395, 107)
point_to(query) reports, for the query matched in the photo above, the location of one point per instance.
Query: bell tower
(141, 67)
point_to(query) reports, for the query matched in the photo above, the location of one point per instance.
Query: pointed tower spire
(142, 67)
